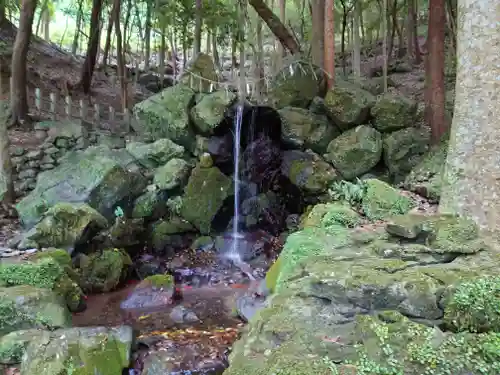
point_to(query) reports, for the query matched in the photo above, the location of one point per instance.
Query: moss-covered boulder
(324, 215)
(25, 307)
(348, 105)
(393, 112)
(163, 230)
(200, 74)
(308, 171)
(356, 151)
(153, 155)
(166, 115)
(173, 175)
(404, 149)
(426, 177)
(48, 269)
(381, 200)
(80, 351)
(362, 300)
(149, 205)
(13, 345)
(103, 271)
(296, 85)
(205, 193)
(67, 225)
(302, 128)
(98, 176)
(374, 85)
(210, 111)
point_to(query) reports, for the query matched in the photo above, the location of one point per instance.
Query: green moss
(60, 256)
(475, 306)
(272, 275)
(159, 281)
(454, 235)
(382, 200)
(341, 214)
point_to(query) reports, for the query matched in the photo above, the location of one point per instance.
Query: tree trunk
(18, 91)
(384, 44)
(394, 25)
(7, 195)
(79, 16)
(277, 27)
(356, 63)
(92, 47)
(435, 94)
(120, 54)
(147, 34)
(318, 32)
(107, 44)
(126, 25)
(259, 62)
(197, 28)
(329, 65)
(214, 48)
(418, 55)
(46, 24)
(281, 50)
(342, 39)
(208, 44)
(162, 52)
(471, 184)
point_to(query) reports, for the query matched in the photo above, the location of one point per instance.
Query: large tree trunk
(92, 47)
(435, 94)
(277, 27)
(6, 181)
(329, 42)
(318, 32)
(18, 92)
(472, 183)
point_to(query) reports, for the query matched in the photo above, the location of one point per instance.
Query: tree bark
(471, 183)
(435, 94)
(120, 54)
(6, 181)
(356, 61)
(18, 91)
(197, 28)
(277, 27)
(281, 50)
(79, 16)
(92, 47)
(107, 44)
(318, 32)
(147, 34)
(329, 42)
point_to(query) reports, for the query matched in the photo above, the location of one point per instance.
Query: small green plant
(352, 193)
(119, 212)
(174, 206)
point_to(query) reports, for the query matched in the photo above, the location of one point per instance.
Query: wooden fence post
(52, 110)
(97, 115)
(83, 109)
(111, 113)
(69, 105)
(38, 99)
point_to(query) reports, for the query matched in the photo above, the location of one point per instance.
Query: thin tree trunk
(79, 16)
(147, 33)
(281, 50)
(242, 87)
(342, 38)
(64, 32)
(435, 104)
(384, 47)
(107, 44)
(126, 25)
(318, 32)
(92, 47)
(46, 24)
(18, 91)
(214, 48)
(393, 22)
(356, 63)
(197, 28)
(120, 55)
(7, 195)
(329, 65)
(208, 44)
(277, 27)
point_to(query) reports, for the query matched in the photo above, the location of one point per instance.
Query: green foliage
(349, 192)
(475, 306)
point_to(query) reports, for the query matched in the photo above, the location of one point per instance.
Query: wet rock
(264, 211)
(181, 315)
(25, 307)
(166, 115)
(125, 233)
(348, 104)
(392, 112)
(248, 245)
(209, 112)
(200, 74)
(67, 225)
(156, 154)
(304, 129)
(97, 350)
(204, 195)
(308, 171)
(98, 176)
(248, 305)
(355, 152)
(168, 235)
(102, 272)
(203, 243)
(150, 205)
(148, 296)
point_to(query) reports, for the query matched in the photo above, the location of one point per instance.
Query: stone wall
(58, 139)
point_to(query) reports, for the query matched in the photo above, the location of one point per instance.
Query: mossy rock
(156, 154)
(158, 281)
(393, 112)
(355, 152)
(382, 200)
(209, 112)
(148, 205)
(330, 214)
(200, 74)
(103, 272)
(80, 351)
(49, 271)
(205, 193)
(25, 307)
(173, 175)
(13, 345)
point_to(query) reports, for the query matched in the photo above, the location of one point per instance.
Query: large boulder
(308, 171)
(426, 178)
(356, 151)
(173, 175)
(348, 105)
(98, 176)
(166, 115)
(364, 301)
(296, 86)
(67, 225)
(153, 155)
(210, 110)
(393, 112)
(404, 149)
(200, 74)
(302, 128)
(205, 193)
(79, 350)
(25, 306)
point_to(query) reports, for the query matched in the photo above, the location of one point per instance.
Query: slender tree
(7, 195)
(318, 32)
(329, 64)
